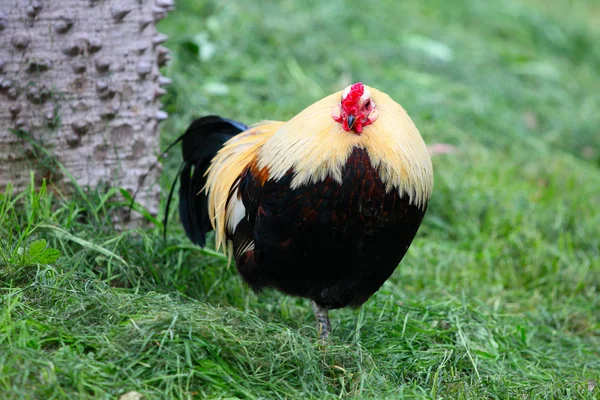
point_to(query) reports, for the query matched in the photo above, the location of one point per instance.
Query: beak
(351, 121)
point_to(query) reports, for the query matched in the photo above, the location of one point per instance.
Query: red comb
(350, 103)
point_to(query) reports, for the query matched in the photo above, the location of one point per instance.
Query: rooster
(323, 206)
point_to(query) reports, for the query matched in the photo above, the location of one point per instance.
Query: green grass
(498, 297)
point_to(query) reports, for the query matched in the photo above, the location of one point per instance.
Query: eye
(368, 104)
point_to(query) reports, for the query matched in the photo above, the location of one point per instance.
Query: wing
(201, 141)
(225, 206)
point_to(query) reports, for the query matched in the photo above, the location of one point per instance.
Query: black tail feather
(168, 206)
(200, 142)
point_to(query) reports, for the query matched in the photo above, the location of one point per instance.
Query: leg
(323, 325)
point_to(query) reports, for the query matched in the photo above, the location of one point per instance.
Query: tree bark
(80, 79)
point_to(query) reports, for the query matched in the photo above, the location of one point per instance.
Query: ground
(498, 297)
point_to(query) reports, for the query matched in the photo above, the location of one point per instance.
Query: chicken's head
(356, 109)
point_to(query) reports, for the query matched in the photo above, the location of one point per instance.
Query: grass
(498, 297)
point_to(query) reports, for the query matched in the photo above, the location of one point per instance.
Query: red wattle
(345, 125)
(358, 127)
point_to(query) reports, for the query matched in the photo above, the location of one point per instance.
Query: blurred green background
(499, 295)
(497, 71)
(514, 221)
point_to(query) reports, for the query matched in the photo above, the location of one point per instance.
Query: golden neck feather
(314, 146)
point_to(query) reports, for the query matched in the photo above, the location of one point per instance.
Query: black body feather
(333, 243)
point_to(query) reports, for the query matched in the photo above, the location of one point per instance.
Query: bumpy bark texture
(80, 79)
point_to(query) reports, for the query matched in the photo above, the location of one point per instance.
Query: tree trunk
(80, 79)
